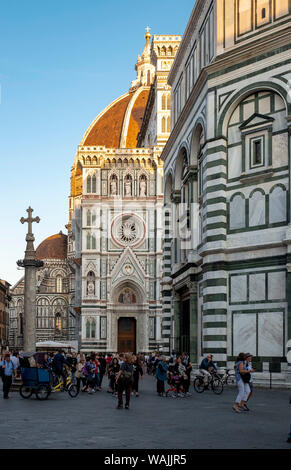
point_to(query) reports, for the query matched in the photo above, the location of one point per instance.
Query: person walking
(137, 373)
(8, 371)
(249, 359)
(79, 374)
(161, 375)
(124, 381)
(102, 369)
(113, 370)
(242, 377)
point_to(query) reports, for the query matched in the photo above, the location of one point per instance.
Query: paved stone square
(202, 421)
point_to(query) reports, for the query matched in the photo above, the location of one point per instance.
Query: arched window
(42, 314)
(59, 282)
(93, 218)
(58, 320)
(168, 124)
(164, 102)
(163, 124)
(94, 184)
(87, 329)
(89, 184)
(88, 218)
(93, 242)
(88, 241)
(169, 101)
(93, 329)
(21, 323)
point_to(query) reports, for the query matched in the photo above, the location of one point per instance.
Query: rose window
(128, 230)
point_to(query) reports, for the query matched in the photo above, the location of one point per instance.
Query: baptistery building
(226, 278)
(116, 202)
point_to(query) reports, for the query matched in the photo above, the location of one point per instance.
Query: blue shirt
(237, 372)
(205, 364)
(9, 367)
(161, 372)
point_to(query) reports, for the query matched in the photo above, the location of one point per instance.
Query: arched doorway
(126, 335)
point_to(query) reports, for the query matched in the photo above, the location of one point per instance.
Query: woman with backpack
(124, 381)
(242, 377)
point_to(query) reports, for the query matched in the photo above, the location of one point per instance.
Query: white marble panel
(257, 209)
(257, 287)
(235, 117)
(234, 135)
(244, 333)
(265, 105)
(238, 286)
(277, 285)
(280, 150)
(237, 212)
(280, 121)
(270, 334)
(234, 161)
(279, 103)
(248, 110)
(278, 201)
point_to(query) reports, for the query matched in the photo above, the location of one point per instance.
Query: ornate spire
(145, 69)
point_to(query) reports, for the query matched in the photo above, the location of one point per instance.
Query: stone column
(287, 242)
(193, 323)
(30, 263)
(177, 322)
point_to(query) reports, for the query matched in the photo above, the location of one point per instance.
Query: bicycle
(58, 385)
(228, 377)
(214, 382)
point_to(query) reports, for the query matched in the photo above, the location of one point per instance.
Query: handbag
(246, 378)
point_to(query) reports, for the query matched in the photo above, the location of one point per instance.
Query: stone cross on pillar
(29, 237)
(30, 263)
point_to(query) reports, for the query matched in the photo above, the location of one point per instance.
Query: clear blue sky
(61, 63)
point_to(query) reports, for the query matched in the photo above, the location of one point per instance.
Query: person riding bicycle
(206, 367)
(58, 366)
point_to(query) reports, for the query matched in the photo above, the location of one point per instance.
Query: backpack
(126, 376)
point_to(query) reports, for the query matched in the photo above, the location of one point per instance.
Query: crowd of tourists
(125, 370)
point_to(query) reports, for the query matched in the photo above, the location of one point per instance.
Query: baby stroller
(176, 388)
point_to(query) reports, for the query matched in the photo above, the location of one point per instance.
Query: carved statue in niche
(91, 284)
(113, 186)
(128, 187)
(142, 187)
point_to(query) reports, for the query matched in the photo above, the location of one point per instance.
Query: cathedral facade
(226, 279)
(116, 203)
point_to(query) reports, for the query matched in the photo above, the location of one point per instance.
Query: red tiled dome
(53, 247)
(108, 128)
